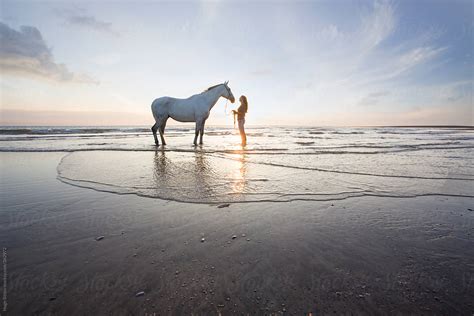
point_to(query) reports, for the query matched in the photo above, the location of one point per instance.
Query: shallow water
(278, 164)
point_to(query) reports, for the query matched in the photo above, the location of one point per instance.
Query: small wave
(81, 130)
(421, 131)
(346, 133)
(304, 143)
(313, 137)
(47, 131)
(98, 144)
(218, 133)
(393, 146)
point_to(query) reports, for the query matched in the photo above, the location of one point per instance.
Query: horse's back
(181, 110)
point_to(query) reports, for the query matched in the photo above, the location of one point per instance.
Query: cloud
(410, 60)
(25, 52)
(90, 22)
(370, 56)
(377, 26)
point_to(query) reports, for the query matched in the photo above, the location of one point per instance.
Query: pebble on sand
(141, 293)
(99, 238)
(223, 205)
(203, 239)
(234, 236)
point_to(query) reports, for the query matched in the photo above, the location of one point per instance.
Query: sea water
(278, 164)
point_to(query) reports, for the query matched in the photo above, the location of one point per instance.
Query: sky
(320, 63)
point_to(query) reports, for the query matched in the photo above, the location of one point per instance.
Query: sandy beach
(361, 255)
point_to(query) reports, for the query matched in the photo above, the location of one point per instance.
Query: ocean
(278, 164)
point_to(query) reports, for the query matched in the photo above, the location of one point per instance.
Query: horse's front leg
(201, 132)
(196, 133)
(161, 129)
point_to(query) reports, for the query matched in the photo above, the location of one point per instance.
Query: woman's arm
(239, 110)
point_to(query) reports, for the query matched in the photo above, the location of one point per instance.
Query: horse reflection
(184, 178)
(199, 176)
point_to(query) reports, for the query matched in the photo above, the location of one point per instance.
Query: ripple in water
(200, 177)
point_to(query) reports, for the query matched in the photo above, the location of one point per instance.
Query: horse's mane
(213, 87)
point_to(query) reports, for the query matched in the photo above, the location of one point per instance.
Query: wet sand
(362, 255)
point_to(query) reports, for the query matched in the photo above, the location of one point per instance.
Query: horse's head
(228, 93)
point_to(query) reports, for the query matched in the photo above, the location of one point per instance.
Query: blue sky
(298, 62)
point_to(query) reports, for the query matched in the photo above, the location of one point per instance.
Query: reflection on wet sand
(198, 177)
(239, 179)
(203, 175)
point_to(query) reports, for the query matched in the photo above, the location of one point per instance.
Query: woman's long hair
(244, 103)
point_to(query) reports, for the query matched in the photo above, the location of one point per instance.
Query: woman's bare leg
(242, 132)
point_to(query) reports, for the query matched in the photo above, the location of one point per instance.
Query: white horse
(196, 108)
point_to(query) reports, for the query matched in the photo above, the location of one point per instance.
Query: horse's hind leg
(153, 129)
(196, 133)
(162, 130)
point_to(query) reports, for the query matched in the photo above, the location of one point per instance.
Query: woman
(241, 117)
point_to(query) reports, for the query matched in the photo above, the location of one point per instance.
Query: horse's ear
(226, 82)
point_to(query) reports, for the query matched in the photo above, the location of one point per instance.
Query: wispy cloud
(89, 21)
(376, 27)
(25, 52)
(365, 58)
(79, 17)
(396, 65)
